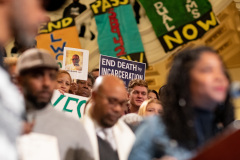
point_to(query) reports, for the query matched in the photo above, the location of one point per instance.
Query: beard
(34, 101)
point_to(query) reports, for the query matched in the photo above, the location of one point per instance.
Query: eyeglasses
(114, 101)
(74, 59)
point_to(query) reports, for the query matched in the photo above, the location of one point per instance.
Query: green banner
(177, 22)
(118, 34)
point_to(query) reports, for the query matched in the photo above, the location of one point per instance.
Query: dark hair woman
(197, 104)
(152, 94)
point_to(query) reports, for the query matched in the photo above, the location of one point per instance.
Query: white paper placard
(36, 146)
(70, 104)
(75, 61)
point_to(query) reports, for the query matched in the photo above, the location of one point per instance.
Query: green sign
(177, 22)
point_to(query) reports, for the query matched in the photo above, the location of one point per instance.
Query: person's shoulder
(65, 120)
(153, 125)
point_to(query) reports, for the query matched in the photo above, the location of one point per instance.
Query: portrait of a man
(74, 62)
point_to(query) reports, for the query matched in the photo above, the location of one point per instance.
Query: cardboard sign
(70, 104)
(75, 61)
(123, 69)
(56, 35)
(118, 34)
(175, 26)
(36, 146)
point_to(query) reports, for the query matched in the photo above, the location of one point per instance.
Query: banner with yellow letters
(56, 35)
(177, 22)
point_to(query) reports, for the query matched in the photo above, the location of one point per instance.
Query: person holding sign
(37, 76)
(110, 137)
(197, 108)
(63, 81)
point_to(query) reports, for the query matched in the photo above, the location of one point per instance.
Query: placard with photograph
(75, 61)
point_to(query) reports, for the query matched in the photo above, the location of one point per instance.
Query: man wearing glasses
(75, 64)
(110, 137)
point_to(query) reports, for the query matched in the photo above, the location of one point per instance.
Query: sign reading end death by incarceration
(123, 69)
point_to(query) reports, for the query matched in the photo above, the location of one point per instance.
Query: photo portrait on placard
(75, 61)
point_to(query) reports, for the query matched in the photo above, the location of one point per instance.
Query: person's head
(137, 91)
(64, 81)
(85, 87)
(202, 80)
(199, 79)
(152, 94)
(75, 60)
(109, 97)
(27, 15)
(37, 71)
(95, 72)
(151, 107)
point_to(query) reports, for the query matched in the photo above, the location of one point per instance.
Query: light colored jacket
(124, 137)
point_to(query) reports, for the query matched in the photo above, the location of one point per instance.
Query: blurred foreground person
(37, 76)
(63, 81)
(27, 15)
(10, 64)
(11, 107)
(196, 107)
(111, 138)
(150, 107)
(137, 93)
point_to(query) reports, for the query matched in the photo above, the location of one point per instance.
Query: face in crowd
(64, 82)
(38, 85)
(75, 60)
(154, 109)
(26, 17)
(208, 81)
(138, 95)
(109, 97)
(95, 74)
(85, 87)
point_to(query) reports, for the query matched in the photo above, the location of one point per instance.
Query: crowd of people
(120, 122)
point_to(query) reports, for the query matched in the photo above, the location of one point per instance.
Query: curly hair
(178, 120)
(137, 82)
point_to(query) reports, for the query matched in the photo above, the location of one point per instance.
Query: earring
(182, 102)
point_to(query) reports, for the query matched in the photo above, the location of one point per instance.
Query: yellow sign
(56, 35)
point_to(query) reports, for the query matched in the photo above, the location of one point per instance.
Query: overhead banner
(118, 34)
(123, 69)
(177, 22)
(72, 105)
(56, 35)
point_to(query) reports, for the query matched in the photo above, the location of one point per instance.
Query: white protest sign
(75, 61)
(35, 146)
(70, 104)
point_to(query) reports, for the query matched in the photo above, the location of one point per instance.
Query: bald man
(110, 137)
